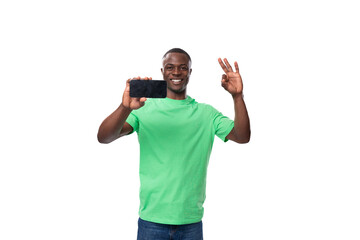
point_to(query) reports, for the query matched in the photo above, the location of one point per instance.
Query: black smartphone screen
(148, 88)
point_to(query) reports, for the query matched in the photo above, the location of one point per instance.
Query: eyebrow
(176, 65)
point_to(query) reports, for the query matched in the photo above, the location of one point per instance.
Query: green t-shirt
(176, 138)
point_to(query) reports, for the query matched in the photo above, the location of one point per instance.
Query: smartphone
(148, 88)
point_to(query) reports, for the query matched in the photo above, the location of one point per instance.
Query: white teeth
(176, 80)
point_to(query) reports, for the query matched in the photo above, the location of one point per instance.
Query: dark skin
(177, 66)
(231, 81)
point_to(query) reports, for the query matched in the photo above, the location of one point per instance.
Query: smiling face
(176, 72)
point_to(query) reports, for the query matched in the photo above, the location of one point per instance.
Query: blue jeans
(156, 231)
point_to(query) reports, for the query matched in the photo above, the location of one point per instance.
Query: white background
(63, 67)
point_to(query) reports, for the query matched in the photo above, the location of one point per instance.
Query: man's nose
(176, 71)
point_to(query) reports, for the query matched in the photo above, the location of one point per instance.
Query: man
(176, 135)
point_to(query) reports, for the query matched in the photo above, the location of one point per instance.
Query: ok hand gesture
(231, 80)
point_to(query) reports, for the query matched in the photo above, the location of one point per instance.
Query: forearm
(111, 127)
(241, 122)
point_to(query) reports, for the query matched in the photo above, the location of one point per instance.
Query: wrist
(238, 95)
(125, 108)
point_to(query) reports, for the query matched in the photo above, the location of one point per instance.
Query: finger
(237, 67)
(143, 99)
(222, 65)
(223, 83)
(150, 78)
(224, 77)
(228, 65)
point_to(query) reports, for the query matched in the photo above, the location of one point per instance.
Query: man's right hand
(129, 102)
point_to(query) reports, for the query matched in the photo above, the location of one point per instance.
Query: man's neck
(176, 96)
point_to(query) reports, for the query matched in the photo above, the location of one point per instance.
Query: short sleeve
(222, 125)
(133, 121)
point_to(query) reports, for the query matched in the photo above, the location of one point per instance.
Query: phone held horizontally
(148, 88)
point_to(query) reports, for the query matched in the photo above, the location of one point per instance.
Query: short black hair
(177, 50)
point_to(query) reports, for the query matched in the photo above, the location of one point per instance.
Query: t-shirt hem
(162, 221)
(132, 125)
(228, 130)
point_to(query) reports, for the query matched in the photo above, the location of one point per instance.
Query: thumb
(224, 83)
(127, 88)
(224, 77)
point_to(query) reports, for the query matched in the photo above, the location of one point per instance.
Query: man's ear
(190, 70)
(162, 71)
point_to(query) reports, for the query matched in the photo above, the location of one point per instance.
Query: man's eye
(184, 68)
(169, 68)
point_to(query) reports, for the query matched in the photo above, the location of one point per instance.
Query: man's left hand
(231, 80)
